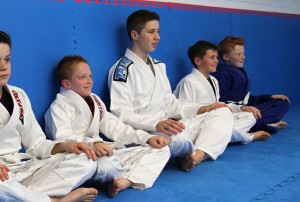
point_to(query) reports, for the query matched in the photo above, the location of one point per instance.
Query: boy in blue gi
(234, 86)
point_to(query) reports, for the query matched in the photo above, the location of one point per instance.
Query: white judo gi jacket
(142, 98)
(196, 88)
(31, 179)
(69, 118)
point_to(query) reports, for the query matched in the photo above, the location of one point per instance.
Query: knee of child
(227, 111)
(109, 169)
(181, 144)
(108, 164)
(181, 138)
(223, 113)
(248, 117)
(284, 103)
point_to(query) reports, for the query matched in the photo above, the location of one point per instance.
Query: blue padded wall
(43, 31)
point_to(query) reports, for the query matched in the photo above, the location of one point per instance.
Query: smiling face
(147, 40)
(81, 80)
(5, 66)
(208, 64)
(236, 57)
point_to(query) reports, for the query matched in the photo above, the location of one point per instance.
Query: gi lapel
(157, 94)
(78, 101)
(4, 116)
(81, 103)
(98, 115)
(216, 87)
(16, 114)
(206, 84)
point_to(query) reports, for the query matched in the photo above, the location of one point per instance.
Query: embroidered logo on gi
(121, 71)
(18, 100)
(99, 106)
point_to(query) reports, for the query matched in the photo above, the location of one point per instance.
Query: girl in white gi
(79, 115)
(202, 88)
(141, 96)
(24, 177)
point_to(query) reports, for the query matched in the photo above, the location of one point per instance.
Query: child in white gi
(79, 115)
(141, 96)
(46, 172)
(201, 87)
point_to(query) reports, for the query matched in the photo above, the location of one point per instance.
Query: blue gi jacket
(234, 85)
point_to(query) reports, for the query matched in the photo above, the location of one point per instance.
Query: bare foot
(115, 187)
(78, 195)
(280, 124)
(260, 135)
(199, 156)
(188, 162)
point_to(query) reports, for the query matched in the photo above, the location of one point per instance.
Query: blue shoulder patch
(121, 70)
(155, 61)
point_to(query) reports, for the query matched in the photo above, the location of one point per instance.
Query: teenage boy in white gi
(202, 88)
(141, 96)
(46, 172)
(79, 115)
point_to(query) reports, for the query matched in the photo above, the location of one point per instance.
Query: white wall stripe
(276, 6)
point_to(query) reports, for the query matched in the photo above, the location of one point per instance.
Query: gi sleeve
(32, 136)
(113, 128)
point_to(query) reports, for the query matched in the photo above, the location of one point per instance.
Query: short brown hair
(138, 19)
(65, 67)
(228, 44)
(199, 49)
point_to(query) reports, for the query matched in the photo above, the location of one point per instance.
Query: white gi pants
(36, 180)
(211, 132)
(243, 121)
(140, 164)
(180, 144)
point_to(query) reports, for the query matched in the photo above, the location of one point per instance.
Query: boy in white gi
(201, 87)
(45, 172)
(79, 115)
(141, 96)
